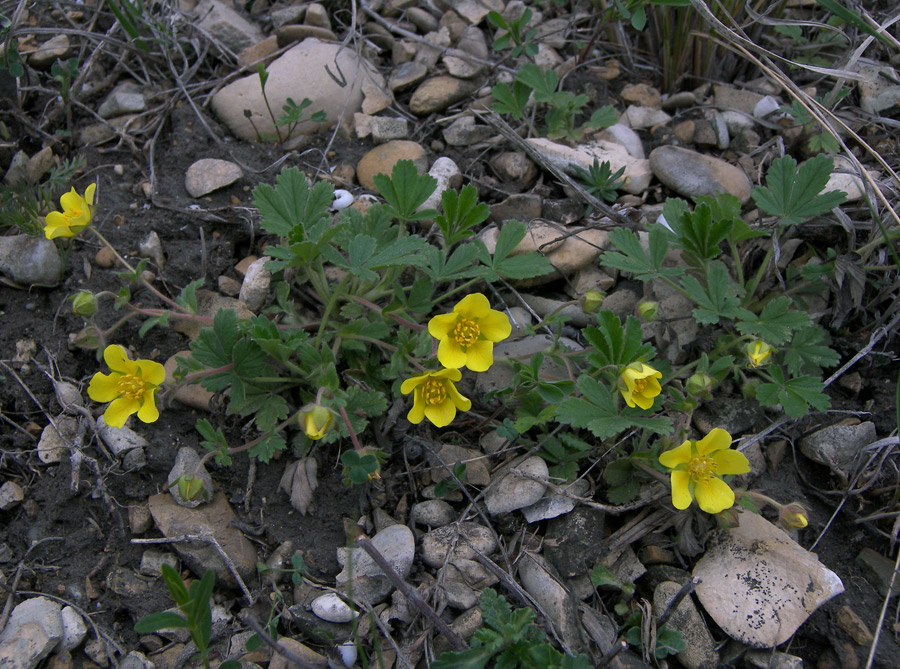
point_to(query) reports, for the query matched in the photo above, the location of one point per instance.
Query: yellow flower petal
(495, 326)
(474, 305)
(450, 354)
(451, 374)
(119, 410)
(56, 225)
(480, 356)
(89, 194)
(642, 400)
(713, 495)
(72, 202)
(117, 359)
(148, 413)
(729, 461)
(417, 413)
(440, 326)
(410, 384)
(462, 403)
(441, 414)
(681, 494)
(103, 388)
(151, 371)
(717, 439)
(680, 455)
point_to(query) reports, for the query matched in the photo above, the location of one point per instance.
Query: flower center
(434, 392)
(701, 468)
(131, 387)
(639, 385)
(466, 332)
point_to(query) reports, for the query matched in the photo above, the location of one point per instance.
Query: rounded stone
(332, 608)
(693, 174)
(438, 93)
(432, 513)
(516, 492)
(381, 160)
(445, 543)
(210, 174)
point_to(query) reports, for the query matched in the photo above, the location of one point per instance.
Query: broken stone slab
(755, 572)
(637, 173)
(227, 25)
(33, 630)
(700, 647)
(210, 174)
(838, 446)
(556, 602)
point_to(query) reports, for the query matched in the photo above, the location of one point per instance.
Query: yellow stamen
(639, 385)
(466, 332)
(131, 387)
(701, 468)
(434, 392)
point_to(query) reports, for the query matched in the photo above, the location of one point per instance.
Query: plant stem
(353, 438)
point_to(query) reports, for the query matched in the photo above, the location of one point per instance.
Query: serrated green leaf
(510, 101)
(274, 410)
(187, 298)
(291, 206)
(596, 412)
(701, 235)
(808, 352)
(406, 190)
(542, 83)
(718, 300)
(792, 194)
(795, 394)
(632, 258)
(603, 117)
(776, 323)
(265, 449)
(615, 345)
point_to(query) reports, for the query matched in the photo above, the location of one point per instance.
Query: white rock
(11, 494)
(877, 90)
(30, 261)
(120, 440)
(554, 505)
(644, 117)
(446, 541)
(622, 134)
(555, 601)
(446, 172)
(691, 173)
(255, 286)
(767, 105)
(757, 573)
(33, 630)
(210, 174)
(332, 608)
(396, 544)
(54, 443)
(844, 177)
(637, 171)
(838, 446)
(151, 247)
(74, 629)
(516, 492)
(348, 653)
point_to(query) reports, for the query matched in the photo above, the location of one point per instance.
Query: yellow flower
(758, 353)
(75, 216)
(696, 467)
(130, 387)
(638, 385)
(467, 335)
(435, 397)
(316, 420)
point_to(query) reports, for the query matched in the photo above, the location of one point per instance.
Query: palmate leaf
(718, 300)
(522, 266)
(795, 394)
(291, 206)
(405, 191)
(596, 412)
(511, 101)
(632, 258)
(792, 194)
(775, 324)
(701, 235)
(809, 352)
(614, 345)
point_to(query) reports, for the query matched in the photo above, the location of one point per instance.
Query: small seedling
(600, 180)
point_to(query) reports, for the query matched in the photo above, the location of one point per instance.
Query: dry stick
(881, 616)
(413, 596)
(7, 607)
(613, 509)
(386, 633)
(207, 539)
(253, 624)
(686, 589)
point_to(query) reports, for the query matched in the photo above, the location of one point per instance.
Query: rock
(438, 93)
(98, 133)
(286, 16)
(448, 175)
(33, 630)
(406, 76)
(210, 174)
(432, 513)
(473, 11)
(520, 207)
(729, 97)
(256, 283)
(57, 47)
(187, 464)
(767, 105)
(463, 581)
(228, 286)
(30, 261)
(11, 495)
(735, 416)
(855, 627)
(126, 583)
(838, 446)
(637, 173)
(638, 118)
(384, 129)
(193, 395)
(299, 73)
(39, 164)
(471, 43)
(540, 236)
(445, 543)
(581, 248)
(515, 167)
(15, 173)
(628, 138)
(516, 492)
(764, 659)
(214, 518)
(700, 647)
(576, 542)
(554, 600)
(396, 545)
(227, 26)
(309, 657)
(757, 572)
(124, 443)
(209, 304)
(153, 559)
(679, 100)
(544, 306)
(552, 32)
(421, 19)
(555, 505)
(429, 52)
(879, 571)
(465, 132)
(566, 211)
(105, 258)
(500, 375)
(151, 247)
(878, 89)
(317, 15)
(332, 608)
(845, 178)
(136, 660)
(381, 160)
(261, 52)
(641, 94)
(54, 443)
(691, 174)
(126, 98)
(477, 472)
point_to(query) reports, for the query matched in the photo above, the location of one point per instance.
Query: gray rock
(396, 544)
(766, 105)
(15, 173)
(135, 660)
(473, 11)
(539, 581)
(522, 207)
(421, 19)
(552, 32)
(124, 443)
(74, 630)
(838, 446)
(30, 261)
(33, 631)
(700, 651)
(477, 472)
(729, 97)
(679, 100)
(210, 174)
(554, 505)
(406, 76)
(764, 659)
(464, 132)
(457, 542)
(516, 492)
(384, 129)
(500, 375)
(576, 541)
(125, 98)
(735, 416)
(471, 43)
(285, 16)
(151, 247)
(255, 286)
(11, 495)
(448, 175)
(429, 52)
(515, 167)
(53, 445)
(39, 164)
(299, 73)
(153, 559)
(332, 608)
(57, 47)
(757, 572)
(463, 580)
(228, 26)
(622, 134)
(186, 464)
(644, 117)
(544, 306)
(691, 174)
(845, 177)
(877, 89)
(432, 513)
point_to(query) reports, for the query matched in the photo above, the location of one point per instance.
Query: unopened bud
(648, 310)
(592, 301)
(794, 515)
(729, 518)
(90, 339)
(315, 420)
(700, 385)
(189, 487)
(84, 304)
(758, 353)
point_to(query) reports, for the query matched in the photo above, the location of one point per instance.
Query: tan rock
(637, 171)
(438, 93)
(208, 305)
(691, 174)
(39, 164)
(47, 54)
(259, 52)
(210, 174)
(477, 472)
(192, 395)
(309, 657)
(382, 158)
(641, 94)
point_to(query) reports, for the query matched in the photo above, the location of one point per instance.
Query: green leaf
(603, 117)
(291, 206)
(462, 212)
(517, 267)
(775, 323)
(854, 19)
(668, 642)
(701, 235)
(615, 345)
(405, 191)
(809, 352)
(542, 83)
(596, 412)
(473, 658)
(718, 300)
(511, 101)
(212, 347)
(631, 256)
(187, 298)
(265, 449)
(461, 264)
(200, 611)
(793, 195)
(274, 410)
(175, 585)
(159, 621)
(795, 394)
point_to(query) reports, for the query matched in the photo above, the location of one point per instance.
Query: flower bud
(89, 339)
(189, 487)
(729, 518)
(647, 310)
(84, 304)
(592, 301)
(700, 385)
(758, 353)
(794, 515)
(315, 420)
